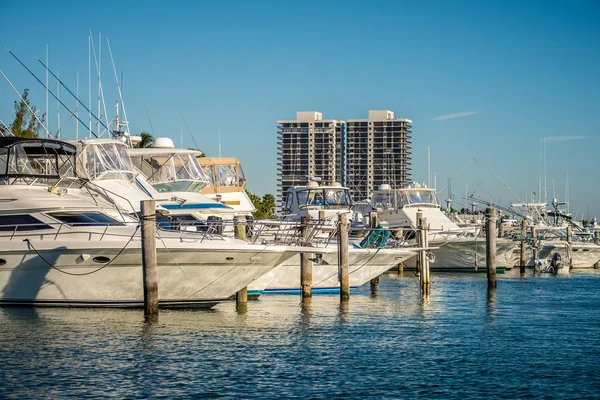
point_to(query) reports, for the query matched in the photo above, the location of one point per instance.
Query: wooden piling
(523, 255)
(239, 224)
(343, 257)
(306, 265)
(150, 277)
(419, 255)
(373, 224)
(426, 284)
(533, 246)
(570, 244)
(490, 248)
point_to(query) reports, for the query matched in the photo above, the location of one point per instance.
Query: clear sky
(484, 80)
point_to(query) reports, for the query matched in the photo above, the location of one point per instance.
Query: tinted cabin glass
(22, 222)
(85, 219)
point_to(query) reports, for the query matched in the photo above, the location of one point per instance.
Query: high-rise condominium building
(377, 152)
(308, 146)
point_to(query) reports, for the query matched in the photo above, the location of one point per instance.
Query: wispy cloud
(456, 115)
(564, 138)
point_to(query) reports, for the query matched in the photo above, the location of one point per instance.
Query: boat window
(84, 218)
(289, 202)
(22, 222)
(108, 161)
(172, 173)
(328, 198)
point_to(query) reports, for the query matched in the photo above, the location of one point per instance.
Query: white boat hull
(466, 255)
(363, 265)
(188, 275)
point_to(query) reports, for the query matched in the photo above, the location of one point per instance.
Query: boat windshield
(107, 161)
(324, 197)
(397, 199)
(226, 175)
(36, 161)
(173, 172)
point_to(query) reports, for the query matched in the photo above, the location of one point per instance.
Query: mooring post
(425, 260)
(533, 246)
(500, 228)
(523, 255)
(343, 257)
(373, 224)
(306, 265)
(150, 277)
(239, 226)
(419, 239)
(570, 244)
(490, 248)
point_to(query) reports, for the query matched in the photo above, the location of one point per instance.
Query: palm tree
(146, 140)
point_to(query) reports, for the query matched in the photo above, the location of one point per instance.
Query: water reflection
(283, 346)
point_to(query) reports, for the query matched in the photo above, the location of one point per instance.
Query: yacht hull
(61, 274)
(466, 255)
(363, 265)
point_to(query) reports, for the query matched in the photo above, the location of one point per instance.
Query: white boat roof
(152, 151)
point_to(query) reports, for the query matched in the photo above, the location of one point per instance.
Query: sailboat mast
(58, 107)
(77, 106)
(47, 116)
(90, 83)
(98, 73)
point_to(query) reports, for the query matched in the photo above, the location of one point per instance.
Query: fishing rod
(71, 93)
(45, 87)
(27, 105)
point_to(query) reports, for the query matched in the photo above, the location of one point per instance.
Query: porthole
(101, 259)
(229, 258)
(2, 261)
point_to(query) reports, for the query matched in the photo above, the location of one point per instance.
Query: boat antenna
(150, 119)
(71, 93)
(118, 86)
(219, 130)
(90, 81)
(100, 89)
(48, 134)
(188, 128)
(428, 167)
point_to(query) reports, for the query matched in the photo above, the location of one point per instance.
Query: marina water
(534, 337)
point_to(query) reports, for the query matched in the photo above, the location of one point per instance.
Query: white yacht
(460, 249)
(57, 249)
(324, 203)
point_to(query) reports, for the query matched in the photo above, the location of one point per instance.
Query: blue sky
(480, 79)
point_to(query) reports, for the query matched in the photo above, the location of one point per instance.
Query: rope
(86, 273)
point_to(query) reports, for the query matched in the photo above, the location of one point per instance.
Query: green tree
(146, 141)
(25, 124)
(257, 203)
(267, 205)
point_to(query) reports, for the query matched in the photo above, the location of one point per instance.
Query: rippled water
(538, 336)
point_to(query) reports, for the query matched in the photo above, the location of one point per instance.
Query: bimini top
(36, 158)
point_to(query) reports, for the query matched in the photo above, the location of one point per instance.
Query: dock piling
(523, 255)
(490, 248)
(570, 244)
(306, 265)
(425, 282)
(150, 277)
(239, 226)
(343, 257)
(373, 224)
(533, 246)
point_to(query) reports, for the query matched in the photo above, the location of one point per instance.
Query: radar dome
(336, 184)
(163, 143)
(312, 184)
(385, 186)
